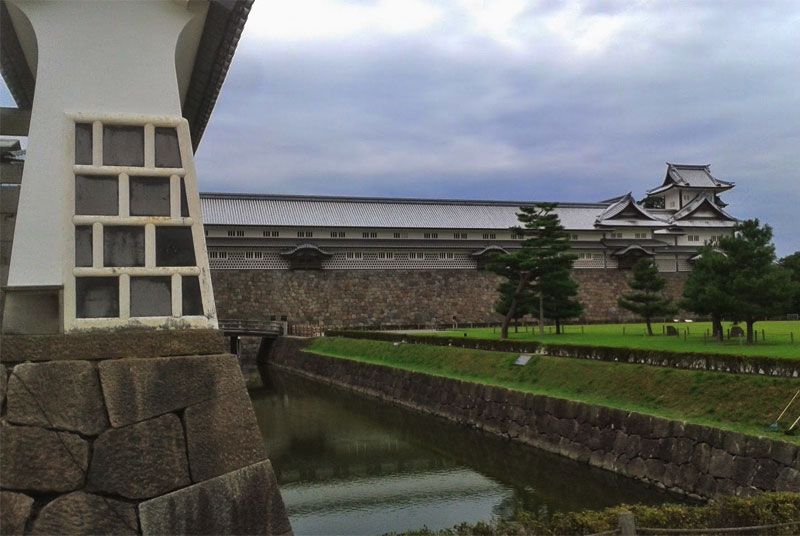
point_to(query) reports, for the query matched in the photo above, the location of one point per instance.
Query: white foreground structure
(108, 230)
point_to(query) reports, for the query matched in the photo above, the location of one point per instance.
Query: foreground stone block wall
(407, 297)
(685, 458)
(160, 445)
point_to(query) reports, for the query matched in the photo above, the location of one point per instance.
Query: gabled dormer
(702, 207)
(683, 183)
(625, 212)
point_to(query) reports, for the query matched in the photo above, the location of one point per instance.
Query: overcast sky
(554, 101)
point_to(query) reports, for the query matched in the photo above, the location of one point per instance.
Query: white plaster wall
(96, 57)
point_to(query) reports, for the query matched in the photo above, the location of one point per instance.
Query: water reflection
(351, 465)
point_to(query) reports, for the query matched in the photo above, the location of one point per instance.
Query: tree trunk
(541, 314)
(750, 323)
(558, 327)
(649, 327)
(716, 327)
(512, 310)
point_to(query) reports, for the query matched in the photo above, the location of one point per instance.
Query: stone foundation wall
(160, 445)
(406, 297)
(685, 458)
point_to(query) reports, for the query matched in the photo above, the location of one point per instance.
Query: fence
(627, 527)
(306, 330)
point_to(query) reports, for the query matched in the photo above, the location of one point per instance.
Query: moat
(352, 465)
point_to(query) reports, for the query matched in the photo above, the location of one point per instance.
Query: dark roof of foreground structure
(223, 26)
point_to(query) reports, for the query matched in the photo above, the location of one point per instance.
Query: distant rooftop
(690, 176)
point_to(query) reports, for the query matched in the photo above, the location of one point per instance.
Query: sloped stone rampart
(341, 298)
(63, 395)
(683, 457)
(146, 428)
(87, 514)
(194, 510)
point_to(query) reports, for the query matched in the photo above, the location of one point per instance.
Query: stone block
(138, 389)
(82, 513)
(140, 461)
(702, 456)
(222, 435)
(743, 470)
(720, 464)
(687, 477)
(246, 501)
(42, 460)
(788, 480)
(636, 468)
(783, 452)
(734, 443)
(684, 448)
(64, 395)
(766, 474)
(15, 509)
(758, 447)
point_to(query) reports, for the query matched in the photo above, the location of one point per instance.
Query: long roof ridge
(391, 200)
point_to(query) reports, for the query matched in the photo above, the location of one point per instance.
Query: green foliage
(542, 252)
(736, 402)
(724, 512)
(792, 263)
(558, 288)
(647, 300)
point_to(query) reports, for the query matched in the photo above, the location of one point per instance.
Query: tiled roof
(607, 217)
(318, 211)
(690, 176)
(706, 198)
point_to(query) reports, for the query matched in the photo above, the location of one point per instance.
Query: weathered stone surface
(788, 480)
(111, 344)
(15, 509)
(140, 461)
(783, 452)
(246, 501)
(3, 385)
(766, 474)
(82, 513)
(41, 460)
(743, 470)
(138, 389)
(64, 395)
(222, 435)
(358, 297)
(721, 464)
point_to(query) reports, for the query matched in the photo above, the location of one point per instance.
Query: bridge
(251, 328)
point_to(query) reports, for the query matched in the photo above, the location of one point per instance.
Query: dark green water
(352, 465)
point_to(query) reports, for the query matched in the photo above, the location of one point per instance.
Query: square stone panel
(123, 145)
(83, 245)
(151, 296)
(174, 246)
(97, 297)
(192, 298)
(96, 195)
(168, 152)
(149, 196)
(83, 143)
(123, 245)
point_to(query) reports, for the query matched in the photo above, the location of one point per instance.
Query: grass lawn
(776, 343)
(735, 402)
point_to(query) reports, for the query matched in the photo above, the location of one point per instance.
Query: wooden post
(627, 524)
(582, 331)
(687, 330)
(623, 330)
(791, 336)
(763, 336)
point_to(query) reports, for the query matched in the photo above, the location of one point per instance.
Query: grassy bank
(764, 509)
(779, 339)
(735, 402)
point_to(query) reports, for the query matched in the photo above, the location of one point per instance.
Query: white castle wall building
(279, 232)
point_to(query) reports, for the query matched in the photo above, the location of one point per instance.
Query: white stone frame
(194, 221)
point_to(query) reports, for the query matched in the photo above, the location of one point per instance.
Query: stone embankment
(682, 457)
(159, 445)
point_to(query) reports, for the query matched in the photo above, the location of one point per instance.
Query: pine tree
(757, 286)
(792, 263)
(648, 300)
(543, 251)
(557, 289)
(705, 290)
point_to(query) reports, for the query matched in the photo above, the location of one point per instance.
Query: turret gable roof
(690, 176)
(705, 199)
(627, 210)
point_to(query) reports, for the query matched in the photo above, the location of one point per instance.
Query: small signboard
(522, 360)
